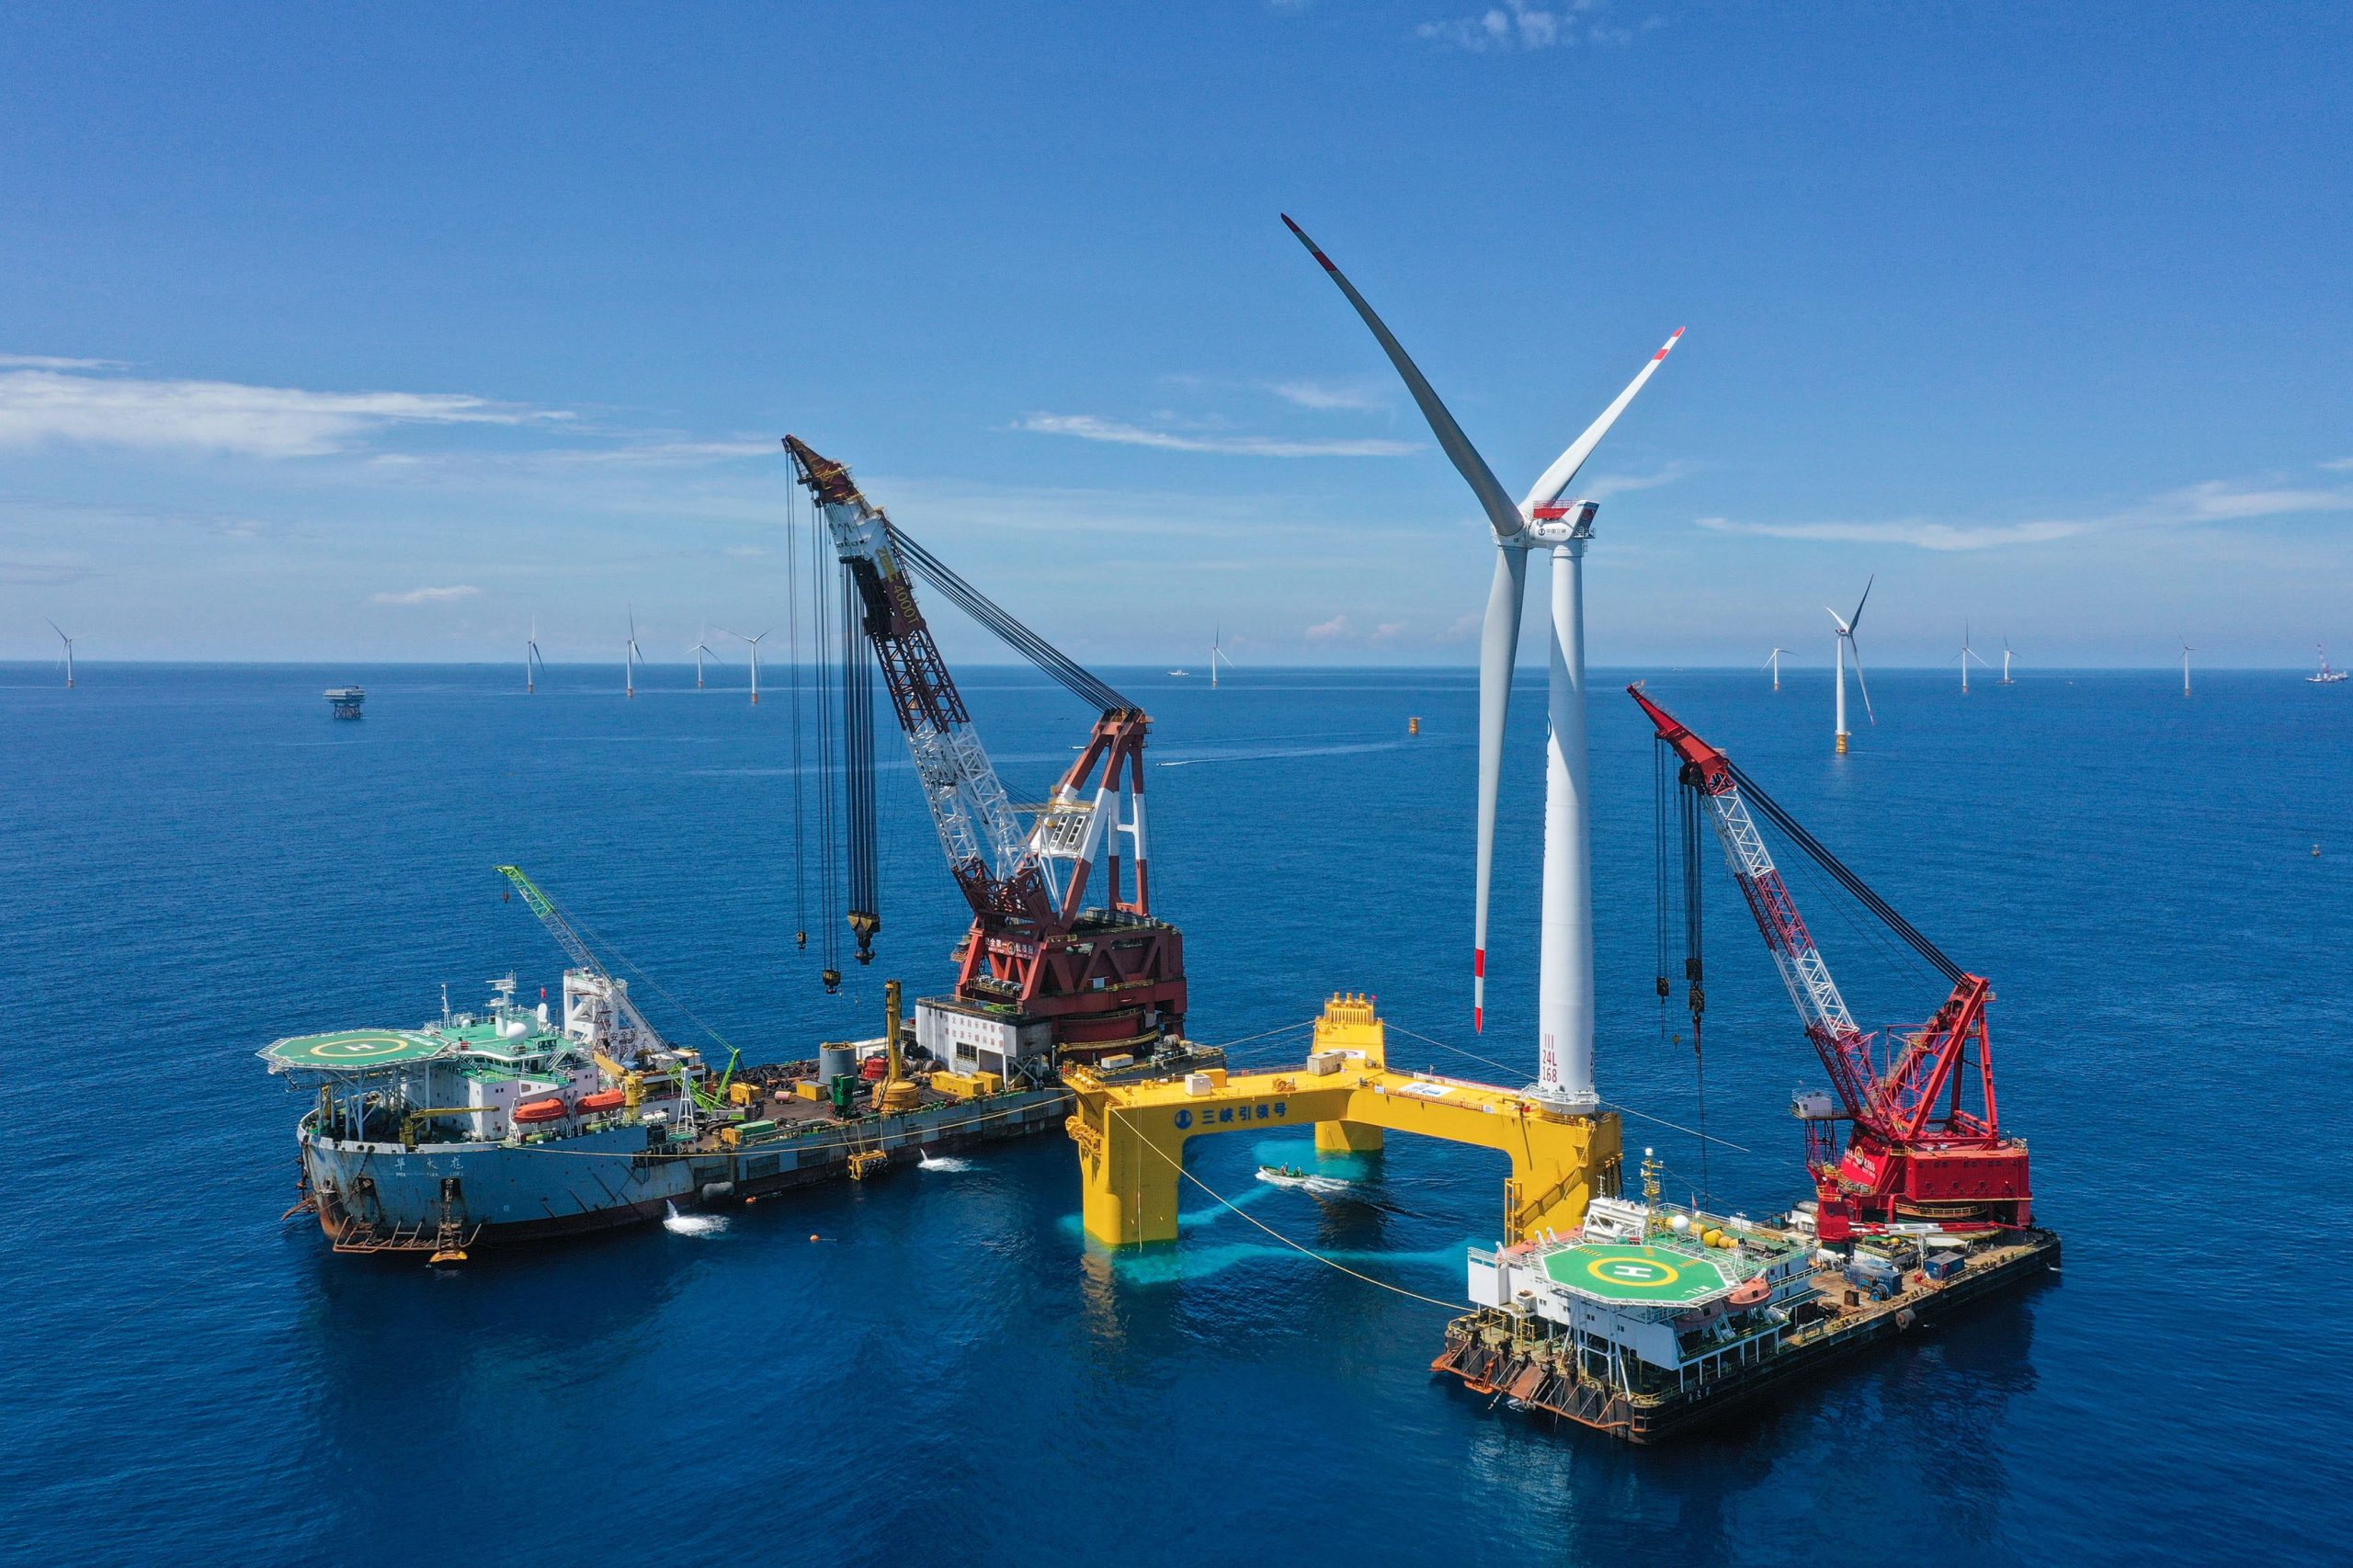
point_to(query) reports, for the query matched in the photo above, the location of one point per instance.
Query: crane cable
(793, 698)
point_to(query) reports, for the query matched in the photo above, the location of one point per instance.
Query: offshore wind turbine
(701, 648)
(1773, 662)
(1967, 653)
(1217, 654)
(631, 659)
(1847, 643)
(532, 662)
(755, 641)
(69, 651)
(2186, 651)
(1539, 521)
(2005, 663)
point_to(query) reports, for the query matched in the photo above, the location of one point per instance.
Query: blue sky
(343, 333)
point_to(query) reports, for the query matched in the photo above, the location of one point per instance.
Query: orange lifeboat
(533, 1111)
(599, 1103)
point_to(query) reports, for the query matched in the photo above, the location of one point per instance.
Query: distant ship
(1180, 671)
(2326, 675)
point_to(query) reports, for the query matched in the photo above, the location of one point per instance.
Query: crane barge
(1650, 1317)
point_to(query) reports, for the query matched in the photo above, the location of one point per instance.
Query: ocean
(949, 1372)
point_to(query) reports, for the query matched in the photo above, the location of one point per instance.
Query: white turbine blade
(1855, 649)
(1498, 648)
(1557, 478)
(1837, 620)
(1505, 518)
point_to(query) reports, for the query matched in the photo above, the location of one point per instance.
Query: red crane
(1050, 942)
(1916, 1150)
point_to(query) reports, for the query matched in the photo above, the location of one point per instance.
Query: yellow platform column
(1348, 1138)
(1563, 1164)
(1350, 1025)
(1129, 1164)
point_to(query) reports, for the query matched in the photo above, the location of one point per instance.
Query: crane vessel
(1650, 1317)
(510, 1123)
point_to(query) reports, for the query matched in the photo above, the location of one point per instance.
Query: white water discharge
(943, 1163)
(679, 1225)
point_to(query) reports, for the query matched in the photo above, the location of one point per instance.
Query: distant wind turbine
(631, 658)
(69, 651)
(1773, 662)
(755, 641)
(2005, 663)
(702, 648)
(2186, 651)
(1846, 624)
(1217, 654)
(1967, 653)
(533, 664)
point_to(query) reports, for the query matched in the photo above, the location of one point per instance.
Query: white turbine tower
(2186, 651)
(532, 663)
(2005, 663)
(1542, 521)
(702, 649)
(1967, 653)
(69, 651)
(1217, 654)
(1773, 663)
(755, 641)
(1847, 625)
(630, 658)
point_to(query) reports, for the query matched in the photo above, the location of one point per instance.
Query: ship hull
(373, 1197)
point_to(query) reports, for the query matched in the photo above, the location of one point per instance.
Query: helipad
(1621, 1273)
(349, 1049)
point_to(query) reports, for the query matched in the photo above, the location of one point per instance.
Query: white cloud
(1518, 26)
(1608, 484)
(1330, 630)
(2340, 464)
(1353, 395)
(1087, 428)
(2214, 502)
(430, 595)
(1388, 631)
(54, 363)
(44, 404)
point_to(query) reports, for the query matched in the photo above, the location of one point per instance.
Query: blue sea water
(200, 861)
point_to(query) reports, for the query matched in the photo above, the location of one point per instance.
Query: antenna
(69, 651)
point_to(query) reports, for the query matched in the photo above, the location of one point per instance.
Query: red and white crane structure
(1541, 520)
(1916, 1151)
(1106, 974)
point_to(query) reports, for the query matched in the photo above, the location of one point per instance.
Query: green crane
(575, 947)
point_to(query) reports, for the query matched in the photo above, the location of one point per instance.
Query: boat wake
(679, 1225)
(943, 1162)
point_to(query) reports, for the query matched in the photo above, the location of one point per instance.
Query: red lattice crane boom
(1917, 1151)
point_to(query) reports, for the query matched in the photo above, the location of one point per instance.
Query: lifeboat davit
(534, 1111)
(599, 1103)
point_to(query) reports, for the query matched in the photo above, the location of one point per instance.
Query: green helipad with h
(1631, 1274)
(349, 1050)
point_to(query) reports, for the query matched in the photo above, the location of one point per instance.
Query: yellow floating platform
(1131, 1136)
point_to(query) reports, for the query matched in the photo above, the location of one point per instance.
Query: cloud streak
(1355, 397)
(1518, 26)
(1088, 428)
(41, 403)
(430, 595)
(2215, 501)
